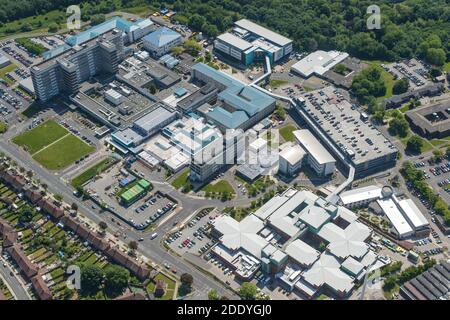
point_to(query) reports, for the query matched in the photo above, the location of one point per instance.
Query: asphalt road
(18, 291)
(149, 248)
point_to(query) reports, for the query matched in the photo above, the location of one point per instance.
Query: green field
(5, 70)
(41, 136)
(92, 172)
(274, 83)
(63, 153)
(287, 132)
(182, 180)
(220, 186)
(3, 127)
(142, 11)
(38, 23)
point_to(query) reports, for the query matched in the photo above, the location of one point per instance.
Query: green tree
(116, 280)
(414, 144)
(53, 27)
(213, 295)
(389, 283)
(187, 279)
(248, 291)
(399, 126)
(25, 216)
(340, 68)
(133, 245)
(435, 72)
(196, 22)
(400, 86)
(91, 279)
(436, 56)
(192, 47)
(97, 19)
(176, 51)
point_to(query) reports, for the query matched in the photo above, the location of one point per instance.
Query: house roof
(413, 213)
(353, 266)
(161, 37)
(302, 252)
(314, 216)
(346, 242)
(21, 259)
(293, 154)
(245, 100)
(394, 215)
(327, 271)
(360, 194)
(41, 288)
(241, 234)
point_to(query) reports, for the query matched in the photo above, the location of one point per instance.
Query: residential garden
(50, 246)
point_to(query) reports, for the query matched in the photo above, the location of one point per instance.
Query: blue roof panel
(244, 99)
(162, 36)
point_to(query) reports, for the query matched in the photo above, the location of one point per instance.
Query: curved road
(149, 248)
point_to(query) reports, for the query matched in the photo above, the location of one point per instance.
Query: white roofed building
(327, 272)
(318, 157)
(291, 159)
(405, 216)
(393, 213)
(318, 63)
(306, 242)
(360, 197)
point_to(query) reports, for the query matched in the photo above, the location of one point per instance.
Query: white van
(153, 236)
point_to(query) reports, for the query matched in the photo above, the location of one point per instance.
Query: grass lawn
(220, 186)
(38, 23)
(287, 132)
(63, 153)
(5, 70)
(439, 142)
(92, 172)
(3, 127)
(404, 108)
(41, 136)
(142, 11)
(274, 83)
(447, 67)
(427, 146)
(170, 290)
(182, 180)
(386, 76)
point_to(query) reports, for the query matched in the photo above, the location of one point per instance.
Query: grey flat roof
(153, 118)
(263, 32)
(302, 252)
(313, 146)
(235, 41)
(250, 171)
